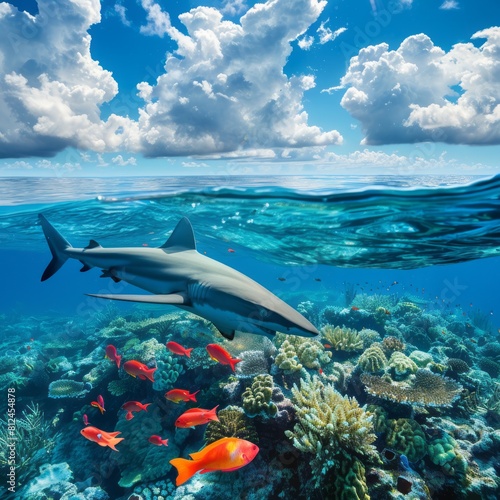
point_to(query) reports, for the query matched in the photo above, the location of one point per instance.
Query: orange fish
(196, 416)
(218, 353)
(226, 454)
(158, 441)
(112, 355)
(327, 346)
(177, 395)
(178, 349)
(102, 438)
(95, 404)
(354, 308)
(140, 370)
(230, 250)
(131, 406)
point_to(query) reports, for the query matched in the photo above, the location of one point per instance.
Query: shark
(177, 274)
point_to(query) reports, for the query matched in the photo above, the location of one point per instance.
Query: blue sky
(145, 87)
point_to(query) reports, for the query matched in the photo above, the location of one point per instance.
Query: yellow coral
(342, 339)
(372, 360)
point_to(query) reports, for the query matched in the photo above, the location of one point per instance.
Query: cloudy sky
(140, 87)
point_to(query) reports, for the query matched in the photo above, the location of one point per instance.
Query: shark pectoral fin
(85, 267)
(227, 334)
(172, 298)
(106, 273)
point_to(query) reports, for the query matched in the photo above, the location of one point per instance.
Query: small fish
(28, 347)
(317, 279)
(178, 349)
(282, 279)
(100, 400)
(158, 441)
(327, 346)
(387, 311)
(230, 250)
(177, 395)
(102, 438)
(226, 454)
(320, 371)
(219, 354)
(112, 355)
(133, 406)
(32, 339)
(354, 308)
(85, 419)
(136, 369)
(95, 404)
(196, 416)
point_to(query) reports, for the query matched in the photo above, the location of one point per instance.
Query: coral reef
(168, 370)
(67, 389)
(401, 366)
(252, 363)
(445, 452)
(342, 339)
(407, 437)
(287, 359)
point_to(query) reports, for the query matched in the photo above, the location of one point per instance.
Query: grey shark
(177, 274)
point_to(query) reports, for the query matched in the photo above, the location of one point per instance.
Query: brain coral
(372, 360)
(257, 398)
(406, 436)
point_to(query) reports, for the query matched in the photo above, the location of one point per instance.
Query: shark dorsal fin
(92, 244)
(182, 238)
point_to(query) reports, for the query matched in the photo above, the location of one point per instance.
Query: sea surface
(315, 242)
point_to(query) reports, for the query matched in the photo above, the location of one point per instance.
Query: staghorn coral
(287, 359)
(252, 363)
(342, 339)
(427, 389)
(257, 398)
(67, 389)
(330, 426)
(232, 423)
(372, 360)
(401, 366)
(407, 437)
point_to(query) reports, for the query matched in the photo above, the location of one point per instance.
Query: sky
(231, 87)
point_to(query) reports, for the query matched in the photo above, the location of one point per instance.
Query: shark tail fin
(57, 245)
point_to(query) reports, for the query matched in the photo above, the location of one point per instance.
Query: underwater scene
(250, 338)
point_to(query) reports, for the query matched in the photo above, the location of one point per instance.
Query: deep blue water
(436, 236)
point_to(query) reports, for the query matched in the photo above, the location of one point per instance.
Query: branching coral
(257, 398)
(428, 389)
(330, 426)
(287, 359)
(342, 339)
(232, 423)
(372, 360)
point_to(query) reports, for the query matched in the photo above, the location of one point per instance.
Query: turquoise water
(331, 247)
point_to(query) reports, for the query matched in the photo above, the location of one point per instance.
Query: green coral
(331, 427)
(444, 452)
(311, 353)
(372, 360)
(379, 418)
(66, 389)
(232, 423)
(167, 372)
(100, 372)
(121, 386)
(287, 359)
(342, 339)
(349, 481)
(257, 397)
(421, 359)
(401, 366)
(407, 437)
(59, 364)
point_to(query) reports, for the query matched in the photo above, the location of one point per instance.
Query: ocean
(400, 276)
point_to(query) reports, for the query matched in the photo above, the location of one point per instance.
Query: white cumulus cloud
(51, 89)
(449, 5)
(419, 92)
(224, 88)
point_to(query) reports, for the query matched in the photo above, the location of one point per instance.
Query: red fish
(177, 395)
(131, 406)
(354, 308)
(113, 355)
(230, 250)
(178, 349)
(226, 454)
(327, 346)
(85, 419)
(100, 400)
(102, 438)
(95, 404)
(140, 370)
(218, 353)
(196, 416)
(158, 441)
